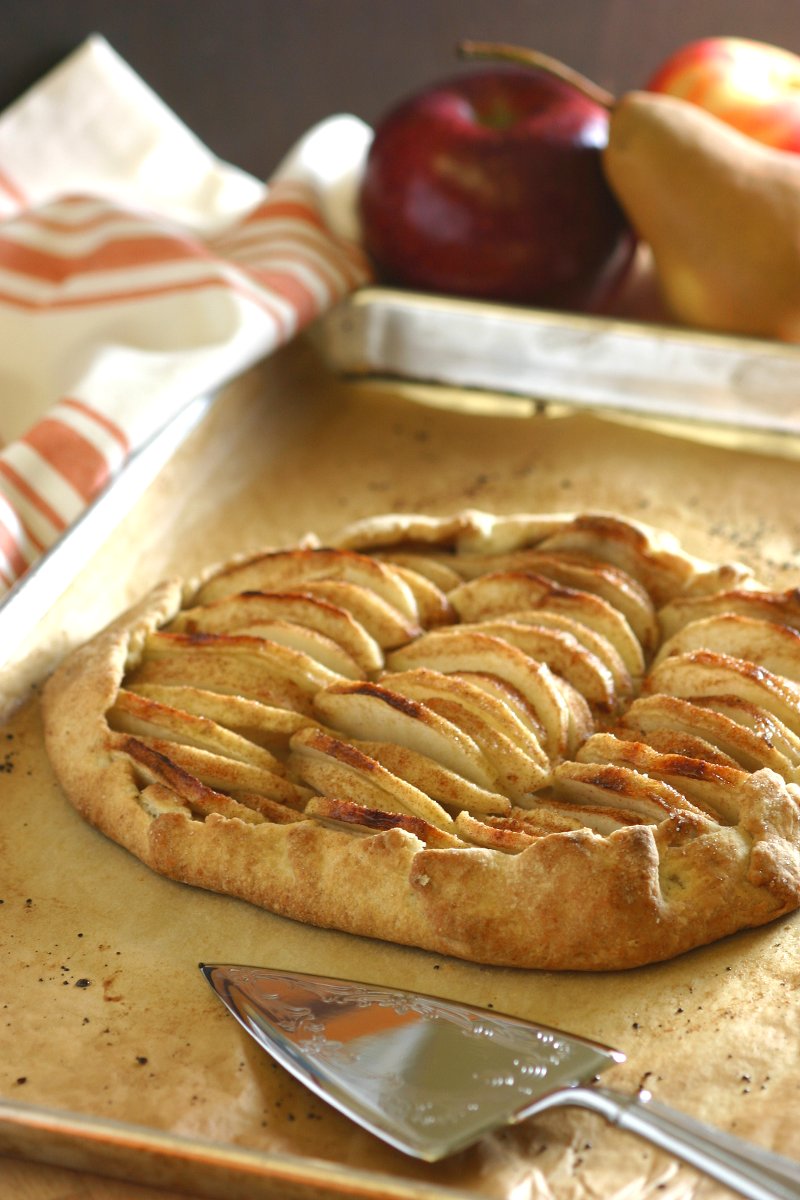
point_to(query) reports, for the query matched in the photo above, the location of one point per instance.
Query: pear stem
(544, 62)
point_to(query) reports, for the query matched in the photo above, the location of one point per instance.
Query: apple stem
(543, 62)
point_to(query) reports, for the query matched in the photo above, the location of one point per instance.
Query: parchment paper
(104, 1012)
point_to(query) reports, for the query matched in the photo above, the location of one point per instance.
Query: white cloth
(138, 271)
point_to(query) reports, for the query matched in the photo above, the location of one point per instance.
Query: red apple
(751, 85)
(490, 185)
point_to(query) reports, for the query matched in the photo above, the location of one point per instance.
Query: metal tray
(698, 384)
(139, 1076)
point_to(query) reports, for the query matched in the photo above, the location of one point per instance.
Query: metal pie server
(431, 1076)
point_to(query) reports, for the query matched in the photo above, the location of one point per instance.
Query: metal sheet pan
(139, 1075)
(691, 381)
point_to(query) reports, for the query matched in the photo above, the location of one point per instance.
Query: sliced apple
(621, 788)
(783, 608)
(220, 773)
(502, 691)
(384, 624)
(708, 786)
(227, 675)
(592, 641)
(611, 583)
(338, 768)
(508, 837)
(551, 815)
(199, 798)
(456, 650)
(370, 712)
(654, 719)
(657, 561)
(500, 593)
(516, 774)
(706, 672)
(452, 790)
(233, 614)
(433, 607)
(257, 722)
(757, 719)
(431, 566)
(776, 647)
(249, 654)
(144, 717)
(358, 817)
(282, 569)
(424, 684)
(561, 652)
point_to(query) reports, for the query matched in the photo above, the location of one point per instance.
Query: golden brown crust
(294, 778)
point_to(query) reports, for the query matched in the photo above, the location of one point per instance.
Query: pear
(720, 212)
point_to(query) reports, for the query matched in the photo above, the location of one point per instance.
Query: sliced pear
(456, 650)
(776, 647)
(508, 837)
(233, 614)
(592, 641)
(282, 569)
(782, 608)
(250, 653)
(561, 652)
(144, 717)
(500, 593)
(224, 774)
(709, 786)
(424, 683)
(750, 748)
(433, 607)
(358, 817)
(384, 624)
(452, 790)
(200, 799)
(370, 712)
(705, 672)
(432, 567)
(320, 758)
(250, 718)
(757, 719)
(612, 584)
(622, 789)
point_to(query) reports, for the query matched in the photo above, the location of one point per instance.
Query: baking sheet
(117, 1056)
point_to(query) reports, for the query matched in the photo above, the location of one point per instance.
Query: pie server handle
(750, 1170)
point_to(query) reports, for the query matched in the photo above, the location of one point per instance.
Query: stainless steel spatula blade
(432, 1076)
(428, 1076)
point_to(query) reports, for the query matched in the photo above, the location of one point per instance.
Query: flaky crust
(607, 862)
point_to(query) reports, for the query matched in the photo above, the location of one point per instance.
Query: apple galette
(541, 741)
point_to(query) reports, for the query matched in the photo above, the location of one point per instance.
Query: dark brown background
(249, 76)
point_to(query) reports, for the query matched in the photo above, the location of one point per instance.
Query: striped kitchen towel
(138, 271)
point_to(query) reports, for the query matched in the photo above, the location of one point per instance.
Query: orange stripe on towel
(34, 498)
(75, 459)
(11, 189)
(100, 419)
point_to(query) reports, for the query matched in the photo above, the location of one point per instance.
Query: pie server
(431, 1076)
